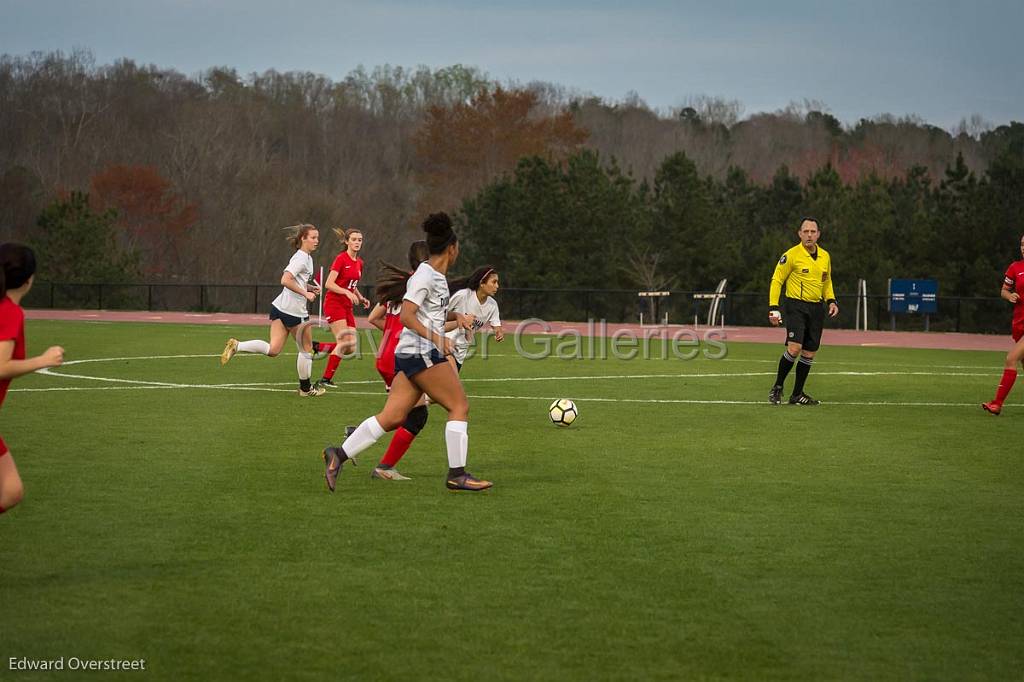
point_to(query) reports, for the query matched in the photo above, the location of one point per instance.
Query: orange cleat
(467, 482)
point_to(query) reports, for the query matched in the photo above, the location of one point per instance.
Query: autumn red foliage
(151, 216)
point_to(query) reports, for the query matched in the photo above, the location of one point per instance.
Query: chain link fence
(956, 314)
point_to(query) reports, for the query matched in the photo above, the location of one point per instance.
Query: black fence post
(256, 299)
(149, 297)
(99, 288)
(52, 285)
(958, 301)
(202, 297)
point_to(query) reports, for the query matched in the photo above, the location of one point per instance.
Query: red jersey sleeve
(1010, 278)
(339, 263)
(12, 320)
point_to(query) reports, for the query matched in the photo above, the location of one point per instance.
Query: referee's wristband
(832, 300)
(773, 308)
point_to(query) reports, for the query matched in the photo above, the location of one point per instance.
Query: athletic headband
(486, 275)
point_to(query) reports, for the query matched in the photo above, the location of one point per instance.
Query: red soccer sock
(400, 443)
(327, 347)
(1005, 384)
(332, 366)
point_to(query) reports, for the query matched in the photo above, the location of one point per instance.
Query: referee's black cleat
(802, 399)
(775, 395)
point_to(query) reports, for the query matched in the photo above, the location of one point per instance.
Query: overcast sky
(941, 60)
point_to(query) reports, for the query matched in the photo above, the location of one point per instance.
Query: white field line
(599, 377)
(503, 355)
(546, 398)
(137, 384)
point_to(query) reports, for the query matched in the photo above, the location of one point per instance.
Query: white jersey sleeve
(300, 266)
(417, 289)
(457, 304)
(493, 318)
(428, 289)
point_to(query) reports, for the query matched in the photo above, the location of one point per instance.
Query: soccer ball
(563, 412)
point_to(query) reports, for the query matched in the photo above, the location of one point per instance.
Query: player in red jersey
(386, 316)
(1012, 291)
(342, 294)
(17, 267)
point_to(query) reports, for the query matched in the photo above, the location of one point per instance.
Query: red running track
(834, 337)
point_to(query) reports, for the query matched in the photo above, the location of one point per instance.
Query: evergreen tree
(75, 244)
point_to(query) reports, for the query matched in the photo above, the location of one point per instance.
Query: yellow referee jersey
(807, 278)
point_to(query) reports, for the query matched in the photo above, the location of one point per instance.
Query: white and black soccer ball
(563, 412)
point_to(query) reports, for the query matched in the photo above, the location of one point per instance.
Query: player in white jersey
(421, 365)
(474, 296)
(288, 311)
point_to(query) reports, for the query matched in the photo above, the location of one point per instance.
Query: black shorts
(804, 322)
(411, 365)
(289, 321)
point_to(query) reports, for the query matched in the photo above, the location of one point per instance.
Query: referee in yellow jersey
(806, 272)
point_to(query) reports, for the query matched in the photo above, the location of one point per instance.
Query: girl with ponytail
(420, 365)
(288, 311)
(17, 270)
(386, 316)
(342, 295)
(474, 296)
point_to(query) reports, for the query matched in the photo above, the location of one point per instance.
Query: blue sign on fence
(913, 296)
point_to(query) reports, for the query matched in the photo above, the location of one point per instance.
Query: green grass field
(682, 529)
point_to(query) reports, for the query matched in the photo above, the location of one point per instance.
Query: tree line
(586, 223)
(178, 178)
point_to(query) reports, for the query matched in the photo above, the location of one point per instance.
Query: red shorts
(388, 377)
(1018, 332)
(335, 312)
(3, 448)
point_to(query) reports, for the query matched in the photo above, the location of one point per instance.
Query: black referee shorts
(804, 322)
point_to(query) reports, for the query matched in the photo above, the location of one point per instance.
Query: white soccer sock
(304, 365)
(456, 437)
(365, 435)
(254, 346)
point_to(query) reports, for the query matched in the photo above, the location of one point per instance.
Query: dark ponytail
(17, 264)
(419, 251)
(391, 282)
(438, 227)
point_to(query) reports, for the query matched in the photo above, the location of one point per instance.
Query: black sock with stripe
(803, 368)
(785, 364)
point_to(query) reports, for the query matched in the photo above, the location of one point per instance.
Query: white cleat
(388, 474)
